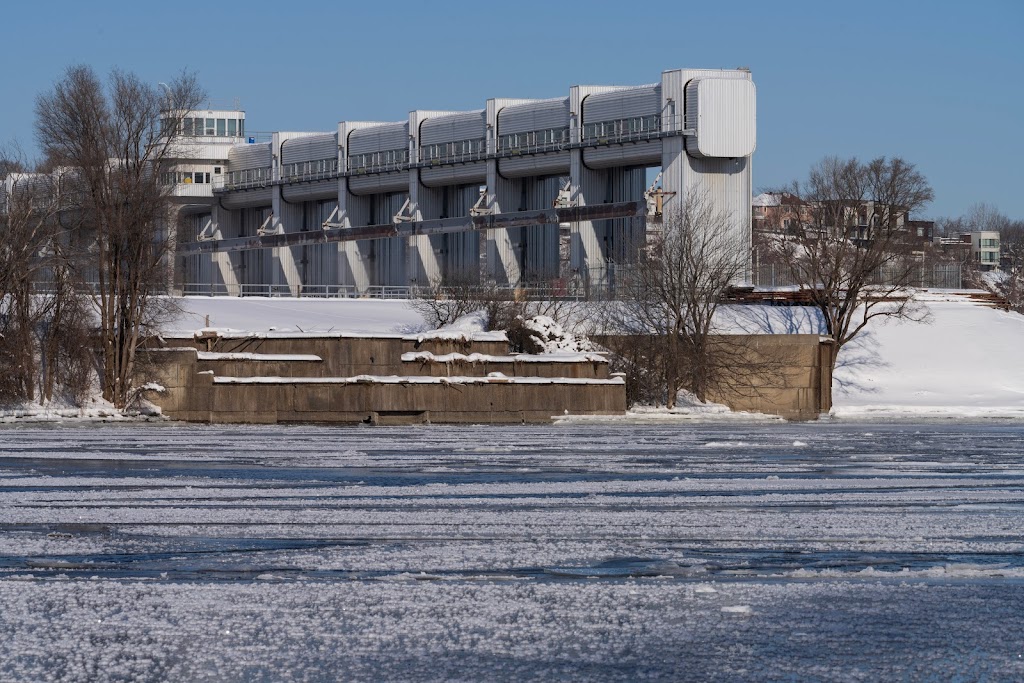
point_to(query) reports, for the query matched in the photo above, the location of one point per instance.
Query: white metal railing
(319, 169)
(192, 190)
(619, 130)
(540, 291)
(474, 149)
(329, 291)
(201, 289)
(534, 141)
(596, 133)
(376, 162)
(244, 179)
(266, 290)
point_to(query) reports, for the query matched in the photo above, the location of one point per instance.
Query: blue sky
(938, 83)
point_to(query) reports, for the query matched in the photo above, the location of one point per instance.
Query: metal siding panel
(535, 165)
(622, 104)
(303, 192)
(542, 115)
(246, 198)
(379, 183)
(540, 260)
(454, 174)
(379, 138)
(249, 156)
(646, 153)
(464, 126)
(310, 148)
(723, 112)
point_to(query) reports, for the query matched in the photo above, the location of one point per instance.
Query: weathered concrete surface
(345, 356)
(793, 381)
(778, 374)
(365, 380)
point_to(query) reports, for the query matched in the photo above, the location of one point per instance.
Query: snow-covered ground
(967, 362)
(261, 315)
(601, 553)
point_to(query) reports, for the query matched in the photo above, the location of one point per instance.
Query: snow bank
(552, 338)
(497, 378)
(211, 355)
(286, 316)
(470, 327)
(428, 357)
(968, 362)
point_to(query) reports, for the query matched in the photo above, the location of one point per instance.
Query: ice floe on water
(565, 552)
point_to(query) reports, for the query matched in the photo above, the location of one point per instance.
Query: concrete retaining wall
(334, 389)
(795, 382)
(257, 391)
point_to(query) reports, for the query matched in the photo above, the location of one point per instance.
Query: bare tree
(445, 301)
(27, 219)
(1011, 240)
(504, 308)
(118, 141)
(1008, 282)
(853, 256)
(982, 216)
(663, 325)
(42, 319)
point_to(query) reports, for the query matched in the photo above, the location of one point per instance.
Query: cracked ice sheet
(509, 631)
(586, 552)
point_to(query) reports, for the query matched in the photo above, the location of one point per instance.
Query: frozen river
(567, 552)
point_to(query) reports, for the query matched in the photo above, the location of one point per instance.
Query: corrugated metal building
(599, 145)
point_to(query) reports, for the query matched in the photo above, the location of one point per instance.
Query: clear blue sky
(939, 83)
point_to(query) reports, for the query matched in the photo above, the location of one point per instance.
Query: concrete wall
(344, 356)
(794, 381)
(377, 403)
(777, 374)
(331, 390)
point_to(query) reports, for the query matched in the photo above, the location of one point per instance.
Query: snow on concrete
(265, 357)
(428, 357)
(966, 362)
(469, 327)
(552, 338)
(415, 379)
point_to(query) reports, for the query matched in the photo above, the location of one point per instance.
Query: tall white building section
(464, 196)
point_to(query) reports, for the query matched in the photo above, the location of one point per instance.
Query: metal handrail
(330, 170)
(261, 177)
(620, 132)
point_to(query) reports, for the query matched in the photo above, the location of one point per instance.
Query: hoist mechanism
(481, 208)
(564, 197)
(265, 229)
(655, 197)
(405, 214)
(334, 214)
(208, 232)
